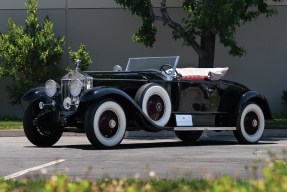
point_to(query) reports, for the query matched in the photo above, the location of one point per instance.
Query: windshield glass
(153, 63)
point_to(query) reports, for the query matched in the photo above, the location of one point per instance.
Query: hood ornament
(77, 63)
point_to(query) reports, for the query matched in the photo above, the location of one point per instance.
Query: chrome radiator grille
(66, 95)
(65, 83)
(70, 102)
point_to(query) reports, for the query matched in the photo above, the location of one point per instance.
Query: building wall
(106, 29)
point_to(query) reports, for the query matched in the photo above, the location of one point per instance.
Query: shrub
(29, 54)
(10, 118)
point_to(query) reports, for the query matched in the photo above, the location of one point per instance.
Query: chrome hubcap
(254, 123)
(158, 107)
(112, 123)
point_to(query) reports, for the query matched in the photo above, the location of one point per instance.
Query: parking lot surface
(214, 155)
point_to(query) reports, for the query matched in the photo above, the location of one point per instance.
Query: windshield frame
(169, 77)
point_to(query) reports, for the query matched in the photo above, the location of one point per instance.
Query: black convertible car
(152, 94)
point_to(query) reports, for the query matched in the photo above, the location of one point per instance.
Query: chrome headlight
(76, 87)
(51, 88)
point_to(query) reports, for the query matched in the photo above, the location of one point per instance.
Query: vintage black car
(152, 94)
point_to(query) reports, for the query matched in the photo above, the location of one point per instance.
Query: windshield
(154, 63)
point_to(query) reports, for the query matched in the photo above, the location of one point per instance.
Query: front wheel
(43, 133)
(105, 124)
(250, 124)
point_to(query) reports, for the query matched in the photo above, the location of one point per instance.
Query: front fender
(129, 105)
(98, 92)
(37, 93)
(254, 96)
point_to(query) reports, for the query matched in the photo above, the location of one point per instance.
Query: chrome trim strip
(204, 128)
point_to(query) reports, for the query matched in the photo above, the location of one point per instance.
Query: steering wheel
(165, 67)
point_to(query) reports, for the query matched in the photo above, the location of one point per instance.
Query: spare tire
(155, 103)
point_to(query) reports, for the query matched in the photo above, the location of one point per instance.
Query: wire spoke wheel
(251, 123)
(108, 123)
(155, 107)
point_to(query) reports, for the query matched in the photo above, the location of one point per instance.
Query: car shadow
(163, 144)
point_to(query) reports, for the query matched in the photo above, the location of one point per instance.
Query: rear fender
(254, 96)
(129, 105)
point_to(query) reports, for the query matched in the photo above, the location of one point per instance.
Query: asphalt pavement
(164, 156)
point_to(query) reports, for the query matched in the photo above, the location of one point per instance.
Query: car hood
(141, 75)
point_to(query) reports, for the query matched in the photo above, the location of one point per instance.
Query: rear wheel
(43, 132)
(188, 136)
(250, 124)
(105, 124)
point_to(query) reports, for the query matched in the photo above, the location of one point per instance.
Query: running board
(204, 128)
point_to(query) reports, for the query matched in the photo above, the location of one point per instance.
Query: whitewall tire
(250, 124)
(155, 103)
(105, 124)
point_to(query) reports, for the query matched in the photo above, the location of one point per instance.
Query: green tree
(83, 55)
(205, 21)
(29, 54)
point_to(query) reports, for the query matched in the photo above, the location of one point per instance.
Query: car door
(198, 98)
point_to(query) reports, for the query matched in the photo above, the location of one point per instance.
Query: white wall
(264, 66)
(106, 29)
